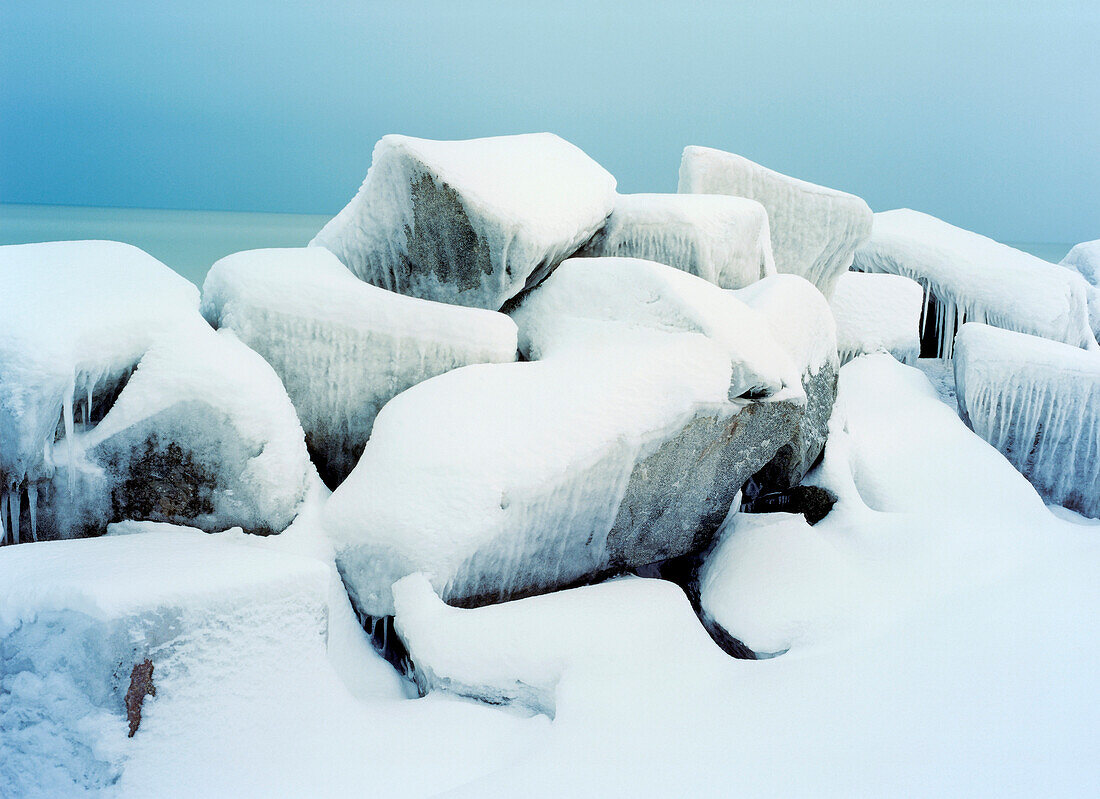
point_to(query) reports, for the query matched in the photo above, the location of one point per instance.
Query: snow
(973, 278)
(1037, 402)
(722, 239)
(877, 313)
(469, 222)
(223, 407)
(592, 303)
(942, 643)
(1085, 258)
(75, 317)
(814, 229)
(343, 348)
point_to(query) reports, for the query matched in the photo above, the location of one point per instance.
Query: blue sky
(987, 114)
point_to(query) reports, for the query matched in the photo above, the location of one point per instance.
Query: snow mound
(592, 303)
(1038, 402)
(1085, 258)
(343, 348)
(877, 313)
(75, 318)
(503, 480)
(202, 434)
(814, 230)
(469, 222)
(77, 616)
(969, 277)
(721, 239)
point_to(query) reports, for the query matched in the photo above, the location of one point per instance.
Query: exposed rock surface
(469, 222)
(814, 229)
(343, 348)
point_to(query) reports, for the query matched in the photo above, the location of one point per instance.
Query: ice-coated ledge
(814, 229)
(1038, 402)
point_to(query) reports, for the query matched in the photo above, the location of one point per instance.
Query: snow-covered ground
(943, 628)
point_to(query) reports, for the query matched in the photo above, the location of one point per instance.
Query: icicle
(67, 415)
(3, 519)
(32, 506)
(88, 407)
(14, 497)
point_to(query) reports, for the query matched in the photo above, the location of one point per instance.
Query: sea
(191, 241)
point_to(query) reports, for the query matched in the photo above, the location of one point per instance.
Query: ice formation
(75, 318)
(968, 277)
(722, 239)
(1085, 259)
(469, 222)
(343, 348)
(202, 434)
(877, 313)
(814, 230)
(623, 445)
(1038, 402)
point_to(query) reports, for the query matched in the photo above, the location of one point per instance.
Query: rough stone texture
(798, 455)
(813, 502)
(141, 686)
(469, 222)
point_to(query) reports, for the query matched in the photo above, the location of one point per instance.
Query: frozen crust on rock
(343, 348)
(814, 229)
(970, 278)
(469, 222)
(1038, 402)
(724, 240)
(877, 313)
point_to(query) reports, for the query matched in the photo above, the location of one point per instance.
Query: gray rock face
(469, 222)
(343, 348)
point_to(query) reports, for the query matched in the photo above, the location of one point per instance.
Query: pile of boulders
(512, 378)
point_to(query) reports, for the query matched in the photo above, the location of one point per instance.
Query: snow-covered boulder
(343, 348)
(814, 229)
(1084, 258)
(622, 446)
(77, 617)
(202, 434)
(75, 318)
(469, 222)
(1038, 402)
(877, 313)
(968, 277)
(722, 239)
(799, 318)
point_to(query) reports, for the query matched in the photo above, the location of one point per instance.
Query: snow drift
(722, 239)
(469, 222)
(1038, 403)
(343, 348)
(968, 277)
(814, 230)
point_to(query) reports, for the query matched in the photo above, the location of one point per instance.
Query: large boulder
(877, 313)
(968, 277)
(814, 229)
(202, 434)
(469, 222)
(625, 444)
(1038, 402)
(75, 319)
(343, 348)
(722, 239)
